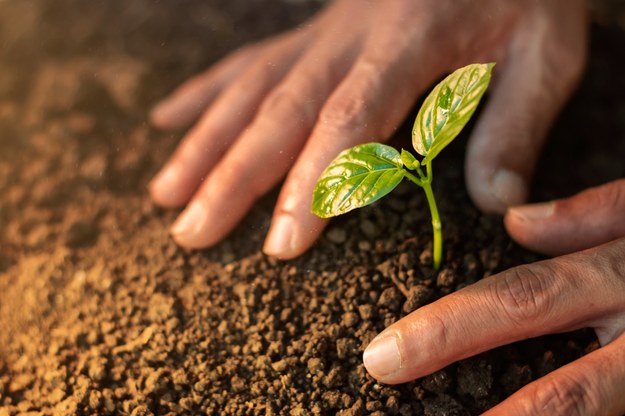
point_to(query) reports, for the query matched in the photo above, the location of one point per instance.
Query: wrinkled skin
(289, 105)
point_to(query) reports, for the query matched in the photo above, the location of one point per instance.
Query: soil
(101, 313)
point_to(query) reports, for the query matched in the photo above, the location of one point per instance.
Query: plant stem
(413, 178)
(437, 244)
(426, 183)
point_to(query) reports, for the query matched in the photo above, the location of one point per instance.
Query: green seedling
(365, 173)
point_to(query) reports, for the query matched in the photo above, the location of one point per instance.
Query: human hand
(350, 76)
(584, 289)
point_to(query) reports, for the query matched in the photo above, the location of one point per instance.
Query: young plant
(365, 173)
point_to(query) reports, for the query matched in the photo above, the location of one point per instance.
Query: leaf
(408, 159)
(448, 108)
(357, 177)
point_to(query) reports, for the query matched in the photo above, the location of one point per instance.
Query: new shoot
(365, 173)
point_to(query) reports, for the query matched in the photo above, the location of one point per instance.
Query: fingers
(267, 149)
(592, 385)
(231, 113)
(590, 218)
(192, 98)
(357, 112)
(537, 76)
(551, 296)
(187, 103)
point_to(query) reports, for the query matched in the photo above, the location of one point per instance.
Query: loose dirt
(101, 313)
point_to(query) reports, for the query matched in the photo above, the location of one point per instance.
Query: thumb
(539, 73)
(590, 218)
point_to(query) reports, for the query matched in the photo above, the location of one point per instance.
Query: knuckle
(613, 263)
(563, 46)
(236, 180)
(561, 65)
(226, 179)
(564, 395)
(258, 76)
(346, 113)
(190, 149)
(570, 62)
(523, 293)
(280, 101)
(438, 334)
(349, 110)
(284, 104)
(611, 196)
(253, 79)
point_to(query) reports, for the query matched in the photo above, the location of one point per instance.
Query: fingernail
(508, 187)
(190, 222)
(533, 212)
(279, 240)
(165, 183)
(382, 357)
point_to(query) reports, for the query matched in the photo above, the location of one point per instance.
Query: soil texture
(101, 313)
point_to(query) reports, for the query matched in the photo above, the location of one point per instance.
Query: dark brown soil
(101, 313)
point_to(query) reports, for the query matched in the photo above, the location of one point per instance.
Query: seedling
(365, 173)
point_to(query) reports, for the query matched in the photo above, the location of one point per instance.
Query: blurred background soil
(100, 313)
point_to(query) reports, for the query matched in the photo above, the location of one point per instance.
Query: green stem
(413, 178)
(437, 245)
(420, 172)
(426, 184)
